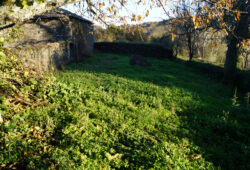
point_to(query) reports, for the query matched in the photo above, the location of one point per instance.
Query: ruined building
(54, 38)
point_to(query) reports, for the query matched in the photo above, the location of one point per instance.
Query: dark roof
(71, 14)
(60, 13)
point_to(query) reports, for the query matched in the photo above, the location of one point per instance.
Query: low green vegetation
(104, 113)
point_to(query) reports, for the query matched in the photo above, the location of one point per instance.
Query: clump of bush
(34, 108)
(21, 90)
(20, 86)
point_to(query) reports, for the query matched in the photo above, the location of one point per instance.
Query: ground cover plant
(104, 113)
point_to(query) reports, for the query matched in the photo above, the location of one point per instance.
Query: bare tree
(185, 28)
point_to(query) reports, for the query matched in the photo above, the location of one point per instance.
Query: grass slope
(105, 113)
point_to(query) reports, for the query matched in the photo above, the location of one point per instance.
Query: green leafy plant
(104, 114)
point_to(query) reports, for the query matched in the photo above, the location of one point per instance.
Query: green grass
(104, 113)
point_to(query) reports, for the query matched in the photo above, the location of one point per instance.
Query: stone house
(52, 39)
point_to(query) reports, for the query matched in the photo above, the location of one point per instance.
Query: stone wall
(44, 56)
(147, 50)
(37, 31)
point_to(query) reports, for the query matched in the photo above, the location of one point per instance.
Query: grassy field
(105, 113)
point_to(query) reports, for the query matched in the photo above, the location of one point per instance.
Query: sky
(155, 14)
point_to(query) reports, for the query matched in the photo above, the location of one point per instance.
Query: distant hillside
(156, 29)
(152, 29)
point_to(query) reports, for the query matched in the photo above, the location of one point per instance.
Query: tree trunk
(240, 32)
(231, 60)
(190, 48)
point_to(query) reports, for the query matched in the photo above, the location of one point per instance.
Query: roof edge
(71, 14)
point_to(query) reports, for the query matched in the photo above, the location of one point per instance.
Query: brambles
(21, 86)
(21, 90)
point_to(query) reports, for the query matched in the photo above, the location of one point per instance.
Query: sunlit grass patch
(104, 113)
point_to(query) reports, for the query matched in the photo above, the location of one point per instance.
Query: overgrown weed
(113, 116)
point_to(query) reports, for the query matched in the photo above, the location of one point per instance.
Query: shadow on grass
(218, 125)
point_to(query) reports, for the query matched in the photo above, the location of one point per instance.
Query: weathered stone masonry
(52, 39)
